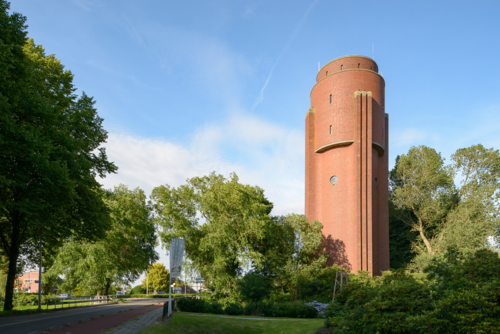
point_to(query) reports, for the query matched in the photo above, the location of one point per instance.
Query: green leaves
(126, 251)
(50, 151)
(427, 200)
(222, 221)
(158, 278)
(459, 295)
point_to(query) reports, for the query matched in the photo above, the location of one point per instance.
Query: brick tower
(346, 185)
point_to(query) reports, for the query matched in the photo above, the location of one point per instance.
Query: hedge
(265, 309)
(137, 295)
(30, 299)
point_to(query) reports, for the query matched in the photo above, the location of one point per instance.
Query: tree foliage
(121, 256)
(158, 278)
(222, 221)
(441, 212)
(253, 287)
(50, 150)
(459, 295)
(293, 254)
(401, 235)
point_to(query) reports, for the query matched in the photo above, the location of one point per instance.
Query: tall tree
(401, 235)
(50, 150)
(222, 221)
(157, 278)
(294, 248)
(121, 256)
(442, 213)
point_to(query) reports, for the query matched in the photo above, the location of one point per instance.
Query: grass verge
(34, 308)
(193, 323)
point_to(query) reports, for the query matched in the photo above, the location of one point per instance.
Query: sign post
(176, 255)
(40, 280)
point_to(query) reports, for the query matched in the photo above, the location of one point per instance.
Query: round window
(333, 179)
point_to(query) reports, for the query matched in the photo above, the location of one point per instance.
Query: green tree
(293, 253)
(253, 287)
(50, 151)
(442, 213)
(158, 278)
(222, 221)
(121, 256)
(401, 235)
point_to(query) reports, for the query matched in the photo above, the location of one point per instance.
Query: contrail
(287, 45)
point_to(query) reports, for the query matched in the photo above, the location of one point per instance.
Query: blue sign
(37, 281)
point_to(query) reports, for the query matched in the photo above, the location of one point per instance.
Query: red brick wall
(354, 211)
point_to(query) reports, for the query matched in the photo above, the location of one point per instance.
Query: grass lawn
(196, 323)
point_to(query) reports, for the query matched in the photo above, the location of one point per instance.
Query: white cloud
(261, 153)
(264, 154)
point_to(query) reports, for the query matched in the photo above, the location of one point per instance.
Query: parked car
(64, 296)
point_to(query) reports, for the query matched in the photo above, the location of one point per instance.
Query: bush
(253, 287)
(153, 296)
(191, 305)
(460, 295)
(30, 299)
(234, 309)
(286, 310)
(269, 309)
(138, 290)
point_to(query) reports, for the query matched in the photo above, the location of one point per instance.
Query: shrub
(265, 309)
(138, 290)
(234, 309)
(191, 305)
(30, 299)
(460, 295)
(153, 296)
(253, 287)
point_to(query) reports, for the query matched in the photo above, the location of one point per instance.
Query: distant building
(28, 283)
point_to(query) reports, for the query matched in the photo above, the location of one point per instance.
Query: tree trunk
(424, 238)
(11, 274)
(106, 291)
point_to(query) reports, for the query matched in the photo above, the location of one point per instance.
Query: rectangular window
(27, 281)
(341, 67)
(327, 73)
(330, 130)
(331, 99)
(17, 282)
(358, 65)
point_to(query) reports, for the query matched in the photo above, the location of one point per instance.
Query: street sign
(37, 282)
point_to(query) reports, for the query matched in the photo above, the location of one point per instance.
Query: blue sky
(188, 87)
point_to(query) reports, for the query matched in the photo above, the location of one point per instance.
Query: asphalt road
(37, 323)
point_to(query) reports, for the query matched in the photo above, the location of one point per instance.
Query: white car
(64, 296)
